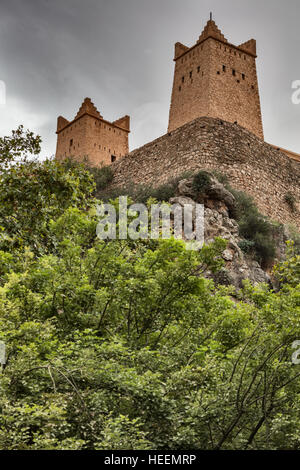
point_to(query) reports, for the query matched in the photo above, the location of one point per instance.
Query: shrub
(291, 201)
(247, 246)
(252, 223)
(102, 176)
(221, 177)
(141, 193)
(201, 181)
(256, 229)
(264, 248)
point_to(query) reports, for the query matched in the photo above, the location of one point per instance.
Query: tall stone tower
(89, 135)
(216, 79)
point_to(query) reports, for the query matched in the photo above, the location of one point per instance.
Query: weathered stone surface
(89, 135)
(185, 188)
(217, 223)
(217, 79)
(228, 255)
(217, 191)
(250, 164)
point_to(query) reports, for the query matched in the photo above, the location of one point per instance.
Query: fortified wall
(251, 165)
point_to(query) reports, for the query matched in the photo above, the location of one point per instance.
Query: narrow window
(113, 158)
(198, 69)
(191, 74)
(71, 142)
(224, 68)
(180, 88)
(218, 72)
(233, 72)
(243, 76)
(182, 79)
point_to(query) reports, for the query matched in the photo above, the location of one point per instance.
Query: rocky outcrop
(219, 206)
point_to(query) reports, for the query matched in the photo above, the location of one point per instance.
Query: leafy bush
(201, 181)
(256, 229)
(141, 193)
(247, 246)
(221, 177)
(295, 237)
(124, 344)
(33, 193)
(291, 201)
(102, 176)
(288, 272)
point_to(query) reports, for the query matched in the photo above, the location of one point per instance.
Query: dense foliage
(125, 345)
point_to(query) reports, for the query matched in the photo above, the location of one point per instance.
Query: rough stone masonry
(252, 165)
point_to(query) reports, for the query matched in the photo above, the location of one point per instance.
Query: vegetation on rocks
(125, 344)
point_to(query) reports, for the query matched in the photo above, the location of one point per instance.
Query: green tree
(125, 344)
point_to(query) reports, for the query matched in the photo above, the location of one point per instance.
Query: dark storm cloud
(53, 53)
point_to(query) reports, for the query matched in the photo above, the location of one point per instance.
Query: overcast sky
(54, 53)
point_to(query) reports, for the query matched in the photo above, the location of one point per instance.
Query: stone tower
(216, 79)
(89, 135)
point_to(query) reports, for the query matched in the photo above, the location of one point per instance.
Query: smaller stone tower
(90, 136)
(216, 79)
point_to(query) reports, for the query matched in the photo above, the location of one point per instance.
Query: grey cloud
(53, 53)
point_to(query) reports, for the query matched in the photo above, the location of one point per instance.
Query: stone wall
(251, 165)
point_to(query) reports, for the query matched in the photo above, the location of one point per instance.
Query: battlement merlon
(179, 50)
(61, 123)
(123, 122)
(248, 47)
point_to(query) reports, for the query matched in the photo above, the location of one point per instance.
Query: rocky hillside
(220, 211)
